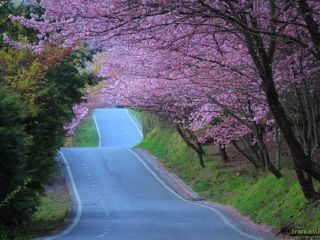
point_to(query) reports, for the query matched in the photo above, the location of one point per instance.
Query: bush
(36, 99)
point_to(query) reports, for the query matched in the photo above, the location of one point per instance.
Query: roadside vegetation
(242, 73)
(53, 210)
(37, 94)
(85, 134)
(238, 81)
(261, 196)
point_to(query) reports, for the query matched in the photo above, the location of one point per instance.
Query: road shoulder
(181, 188)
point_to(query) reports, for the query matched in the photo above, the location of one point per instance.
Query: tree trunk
(297, 153)
(269, 164)
(306, 184)
(247, 156)
(277, 140)
(223, 153)
(197, 148)
(200, 155)
(264, 66)
(258, 132)
(311, 25)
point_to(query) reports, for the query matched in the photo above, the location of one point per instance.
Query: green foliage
(86, 134)
(52, 211)
(14, 145)
(36, 98)
(265, 199)
(50, 215)
(15, 30)
(37, 92)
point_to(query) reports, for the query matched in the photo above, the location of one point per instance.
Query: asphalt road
(119, 198)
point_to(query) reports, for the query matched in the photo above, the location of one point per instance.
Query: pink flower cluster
(190, 60)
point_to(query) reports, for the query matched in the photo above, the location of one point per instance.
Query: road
(119, 198)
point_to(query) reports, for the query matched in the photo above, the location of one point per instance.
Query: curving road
(119, 197)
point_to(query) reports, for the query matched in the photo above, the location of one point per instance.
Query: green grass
(50, 215)
(276, 202)
(54, 208)
(135, 113)
(85, 136)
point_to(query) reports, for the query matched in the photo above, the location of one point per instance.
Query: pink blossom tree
(239, 57)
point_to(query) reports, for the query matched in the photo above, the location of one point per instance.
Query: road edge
(76, 207)
(239, 221)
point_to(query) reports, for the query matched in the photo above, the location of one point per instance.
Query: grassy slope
(54, 208)
(264, 199)
(49, 217)
(85, 136)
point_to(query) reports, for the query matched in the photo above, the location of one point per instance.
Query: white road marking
(76, 220)
(224, 219)
(131, 119)
(97, 127)
(79, 204)
(134, 122)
